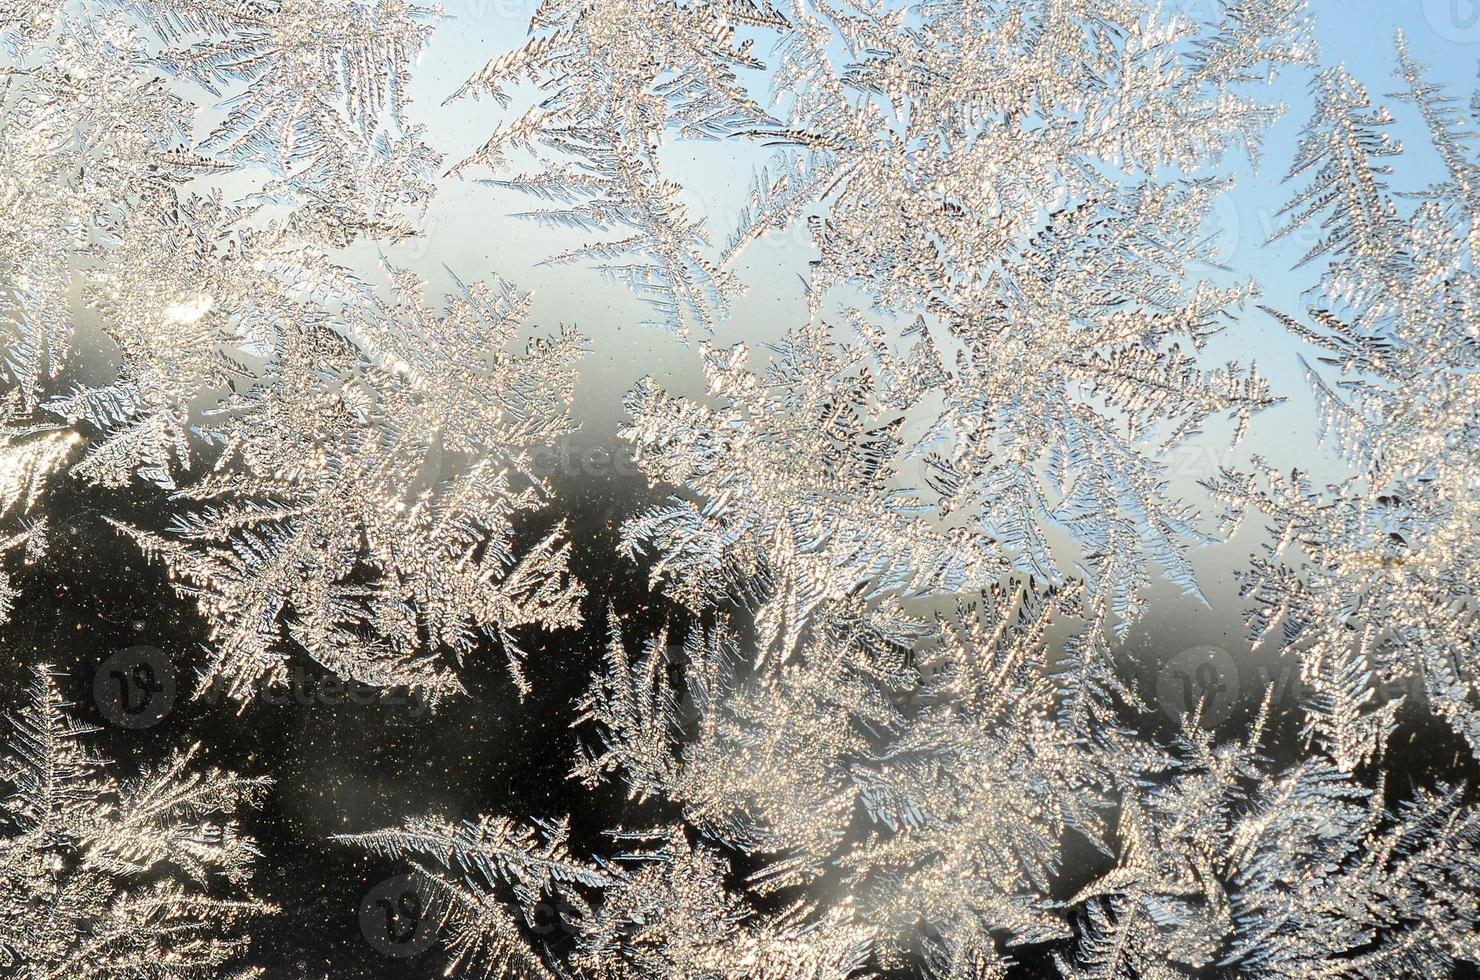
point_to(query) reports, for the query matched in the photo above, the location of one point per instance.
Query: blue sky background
(470, 230)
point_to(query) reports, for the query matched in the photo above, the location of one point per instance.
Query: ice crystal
(887, 729)
(1297, 873)
(1373, 580)
(106, 879)
(938, 799)
(97, 147)
(30, 453)
(661, 910)
(921, 809)
(190, 307)
(484, 880)
(617, 79)
(314, 92)
(363, 505)
(1013, 204)
(790, 495)
(987, 166)
(86, 134)
(368, 454)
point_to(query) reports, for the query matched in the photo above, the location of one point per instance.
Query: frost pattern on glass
(1373, 580)
(346, 462)
(790, 499)
(659, 908)
(927, 809)
(616, 80)
(86, 135)
(362, 506)
(889, 727)
(102, 879)
(994, 170)
(1303, 872)
(314, 94)
(31, 452)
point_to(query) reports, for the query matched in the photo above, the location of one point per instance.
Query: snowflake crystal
(101, 879)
